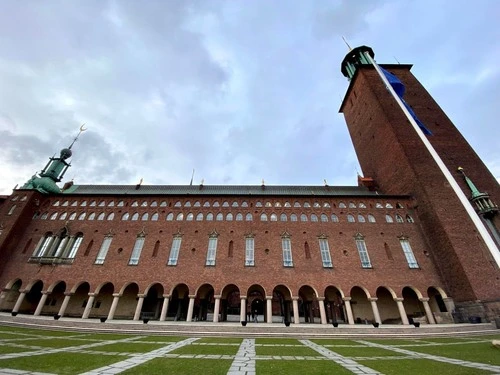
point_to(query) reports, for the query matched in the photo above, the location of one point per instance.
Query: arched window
(190, 217)
(324, 218)
(277, 204)
(326, 205)
(125, 216)
(43, 245)
(101, 216)
(155, 217)
(81, 216)
(65, 203)
(216, 204)
(334, 218)
(199, 217)
(170, 216)
(371, 218)
(44, 216)
(388, 218)
(274, 217)
(306, 204)
(72, 216)
(239, 217)
(316, 205)
(111, 204)
(342, 205)
(111, 216)
(145, 217)
(248, 217)
(197, 204)
(283, 217)
(73, 245)
(219, 217)
(56, 203)
(210, 216)
(178, 204)
(135, 217)
(206, 204)
(361, 219)
(361, 205)
(409, 219)
(53, 216)
(399, 205)
(269, 204)
(187, 204)
(91, 216)
(388, 205)
(287, 205)
(225, 204)
(154, 204)
(303, 217)
(93, 203)
(180, 217)
(74, 204)
(399, 219)
(263, 217)
(121, 204)
(350, 219)
(258, 204)
(293, 217)
(296, 204)
(379, 205)
(102, 204)
(352, 205)
(63, 216)
(83, 204)
(244, 204)
(314, 218)
(163, 204)
(229, 217)
(235, 204)
(135, 204)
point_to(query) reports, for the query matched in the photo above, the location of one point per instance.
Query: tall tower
(390, 151)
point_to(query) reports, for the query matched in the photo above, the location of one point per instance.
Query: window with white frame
(410, 257)
(103, 251)
(362, 251)
(75, 243)
(286, 245)
(174, 250)
(136, 251)
(325, 252)
(249, 251)
(43, 245)
(212, 249)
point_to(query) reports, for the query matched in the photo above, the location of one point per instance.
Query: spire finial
(82, 129)
(347, 44)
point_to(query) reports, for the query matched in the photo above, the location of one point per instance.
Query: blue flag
(399, 88)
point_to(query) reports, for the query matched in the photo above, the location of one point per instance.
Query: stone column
(243, 308)
(376, 313)
(428, 311)
(19, 301)
(65, 303)
(88, 307)
(41, 303)
(216, 308)
(114, 304)
(3, 296)
(348, 309)
(295, 304)
(189, 316)
(322, 312)
(402, 311)
(164, 308)
(138, 308)
(269, 309)
(450, 304)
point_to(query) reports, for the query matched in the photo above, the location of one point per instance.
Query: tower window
(249, 251)
(174, 250)
(212, 249)
(410, 257)
(362, 251)
(103, 251)
(286, 246)
(136, 251)
(325, 252)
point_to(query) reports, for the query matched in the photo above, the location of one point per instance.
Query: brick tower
(392, 154)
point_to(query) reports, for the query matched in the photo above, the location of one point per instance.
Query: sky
(239, 91)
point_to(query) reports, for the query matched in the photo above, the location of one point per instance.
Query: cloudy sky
(238, 90)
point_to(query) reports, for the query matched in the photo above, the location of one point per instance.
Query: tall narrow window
(325, 252)
(43, 245)
(136, 251)
(249, 251)
(174, 250)
(362, 251)
(103, 251)
(410, 257)
(286, 245)
(230, 249)
(11, 211)
(77, 241)
(212, 249)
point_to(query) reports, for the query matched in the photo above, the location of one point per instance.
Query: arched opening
(256, 304)
(54, 299)
(230, 304)
(30, 302)
(334, 306)
(151, 307)
(178, 306)
(78, 300)
(438, 305)
(308, 304)
(413, 307)
(204, 303)
(11, 294)
(387, 307)
(102, 301)
(282, 304)
(361, 307)
(127, 302)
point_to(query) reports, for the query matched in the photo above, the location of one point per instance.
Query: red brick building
(400, 247)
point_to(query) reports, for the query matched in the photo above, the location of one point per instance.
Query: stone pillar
(376, 313)
(322, 312)
(189, 316)
(348, 309)
(402, 311)
(114, 304)
(138, 308)
(164, 308)
(216, 308)
(428, 311)
(19, 301)
(295, 304)
(243, 309)
(3, 296)
(40, 305)
(450, 304)
(88, 307)
(65, 303)
(269, 309)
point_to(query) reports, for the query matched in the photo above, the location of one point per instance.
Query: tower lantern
(353, 59)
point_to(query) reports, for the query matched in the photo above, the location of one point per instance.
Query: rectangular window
(410, 258)
(74, 248)
(103, 251)
(136, 251)
(363, 254)
(212, 251)
(174, 251)
(44, 245)
(286, 245)
(325, 253)
(249, 251)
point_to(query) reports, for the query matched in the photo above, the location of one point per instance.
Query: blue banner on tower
(399, 88)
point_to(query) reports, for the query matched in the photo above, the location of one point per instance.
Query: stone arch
(13, 282)
(361, 306)
(334, 305)
(127, 303)
(153, 301)
(10, 294)
(413, 306)
(387, 306)
(282, 303)
(102, 301)
(230, 303)
(308, 304)
(256, 303)
(440, 309)
(79, 295)
(54, 298)
(204, 302)
(179, 301)
(32, 298)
